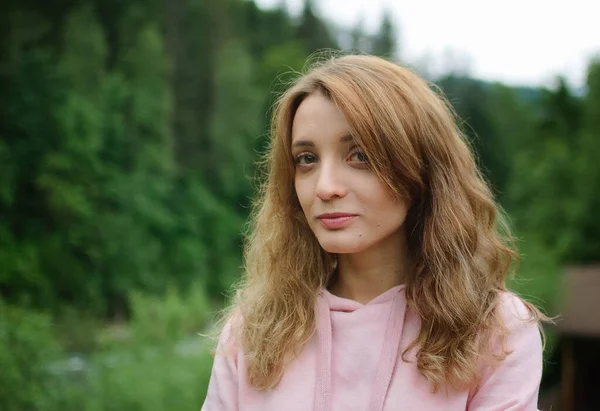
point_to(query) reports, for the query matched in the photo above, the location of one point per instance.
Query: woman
(374, 270)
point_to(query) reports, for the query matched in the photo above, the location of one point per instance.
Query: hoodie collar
(345, 304)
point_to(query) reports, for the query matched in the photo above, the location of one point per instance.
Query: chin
(340, 245)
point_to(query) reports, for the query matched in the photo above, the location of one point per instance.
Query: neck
(365, 275)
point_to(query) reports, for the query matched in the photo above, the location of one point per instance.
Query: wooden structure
(579, 333)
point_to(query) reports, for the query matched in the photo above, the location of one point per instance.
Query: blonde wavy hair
(459, 246)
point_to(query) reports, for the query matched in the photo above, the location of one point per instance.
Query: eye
(304, 159)
(359, 156)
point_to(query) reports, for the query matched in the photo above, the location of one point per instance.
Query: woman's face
(345, 203)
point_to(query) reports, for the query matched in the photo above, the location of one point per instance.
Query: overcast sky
(525, 42)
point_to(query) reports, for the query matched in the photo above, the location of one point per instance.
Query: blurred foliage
(128, 134)
(171, 317)
(128, 373)
(27, 346)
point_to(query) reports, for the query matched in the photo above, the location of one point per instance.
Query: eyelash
(300, 156)
(305, 154)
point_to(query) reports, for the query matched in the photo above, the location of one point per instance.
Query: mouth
(336, 220)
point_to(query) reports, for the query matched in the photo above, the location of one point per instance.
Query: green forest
(128, 136)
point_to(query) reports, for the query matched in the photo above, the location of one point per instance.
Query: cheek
(303, 193)
(394, 216)
(389, 214)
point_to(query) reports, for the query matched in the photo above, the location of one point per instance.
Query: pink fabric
(353, 363)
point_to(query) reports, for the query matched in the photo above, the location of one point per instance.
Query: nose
(330, 183)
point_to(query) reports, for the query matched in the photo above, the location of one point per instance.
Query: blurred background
(128, 132)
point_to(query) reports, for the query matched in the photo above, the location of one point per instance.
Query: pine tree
(312, 31)
(384, 42)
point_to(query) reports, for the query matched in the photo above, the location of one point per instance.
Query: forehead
(318, 118)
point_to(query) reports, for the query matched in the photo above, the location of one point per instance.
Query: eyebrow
(310, 143)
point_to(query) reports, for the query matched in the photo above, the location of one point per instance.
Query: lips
(336, 220)
(335, 215)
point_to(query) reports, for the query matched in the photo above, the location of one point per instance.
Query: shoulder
(511, 378)
(517, 312)
(521, 330)
(229, 337)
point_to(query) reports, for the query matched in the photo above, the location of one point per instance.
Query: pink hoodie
(354, 363)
